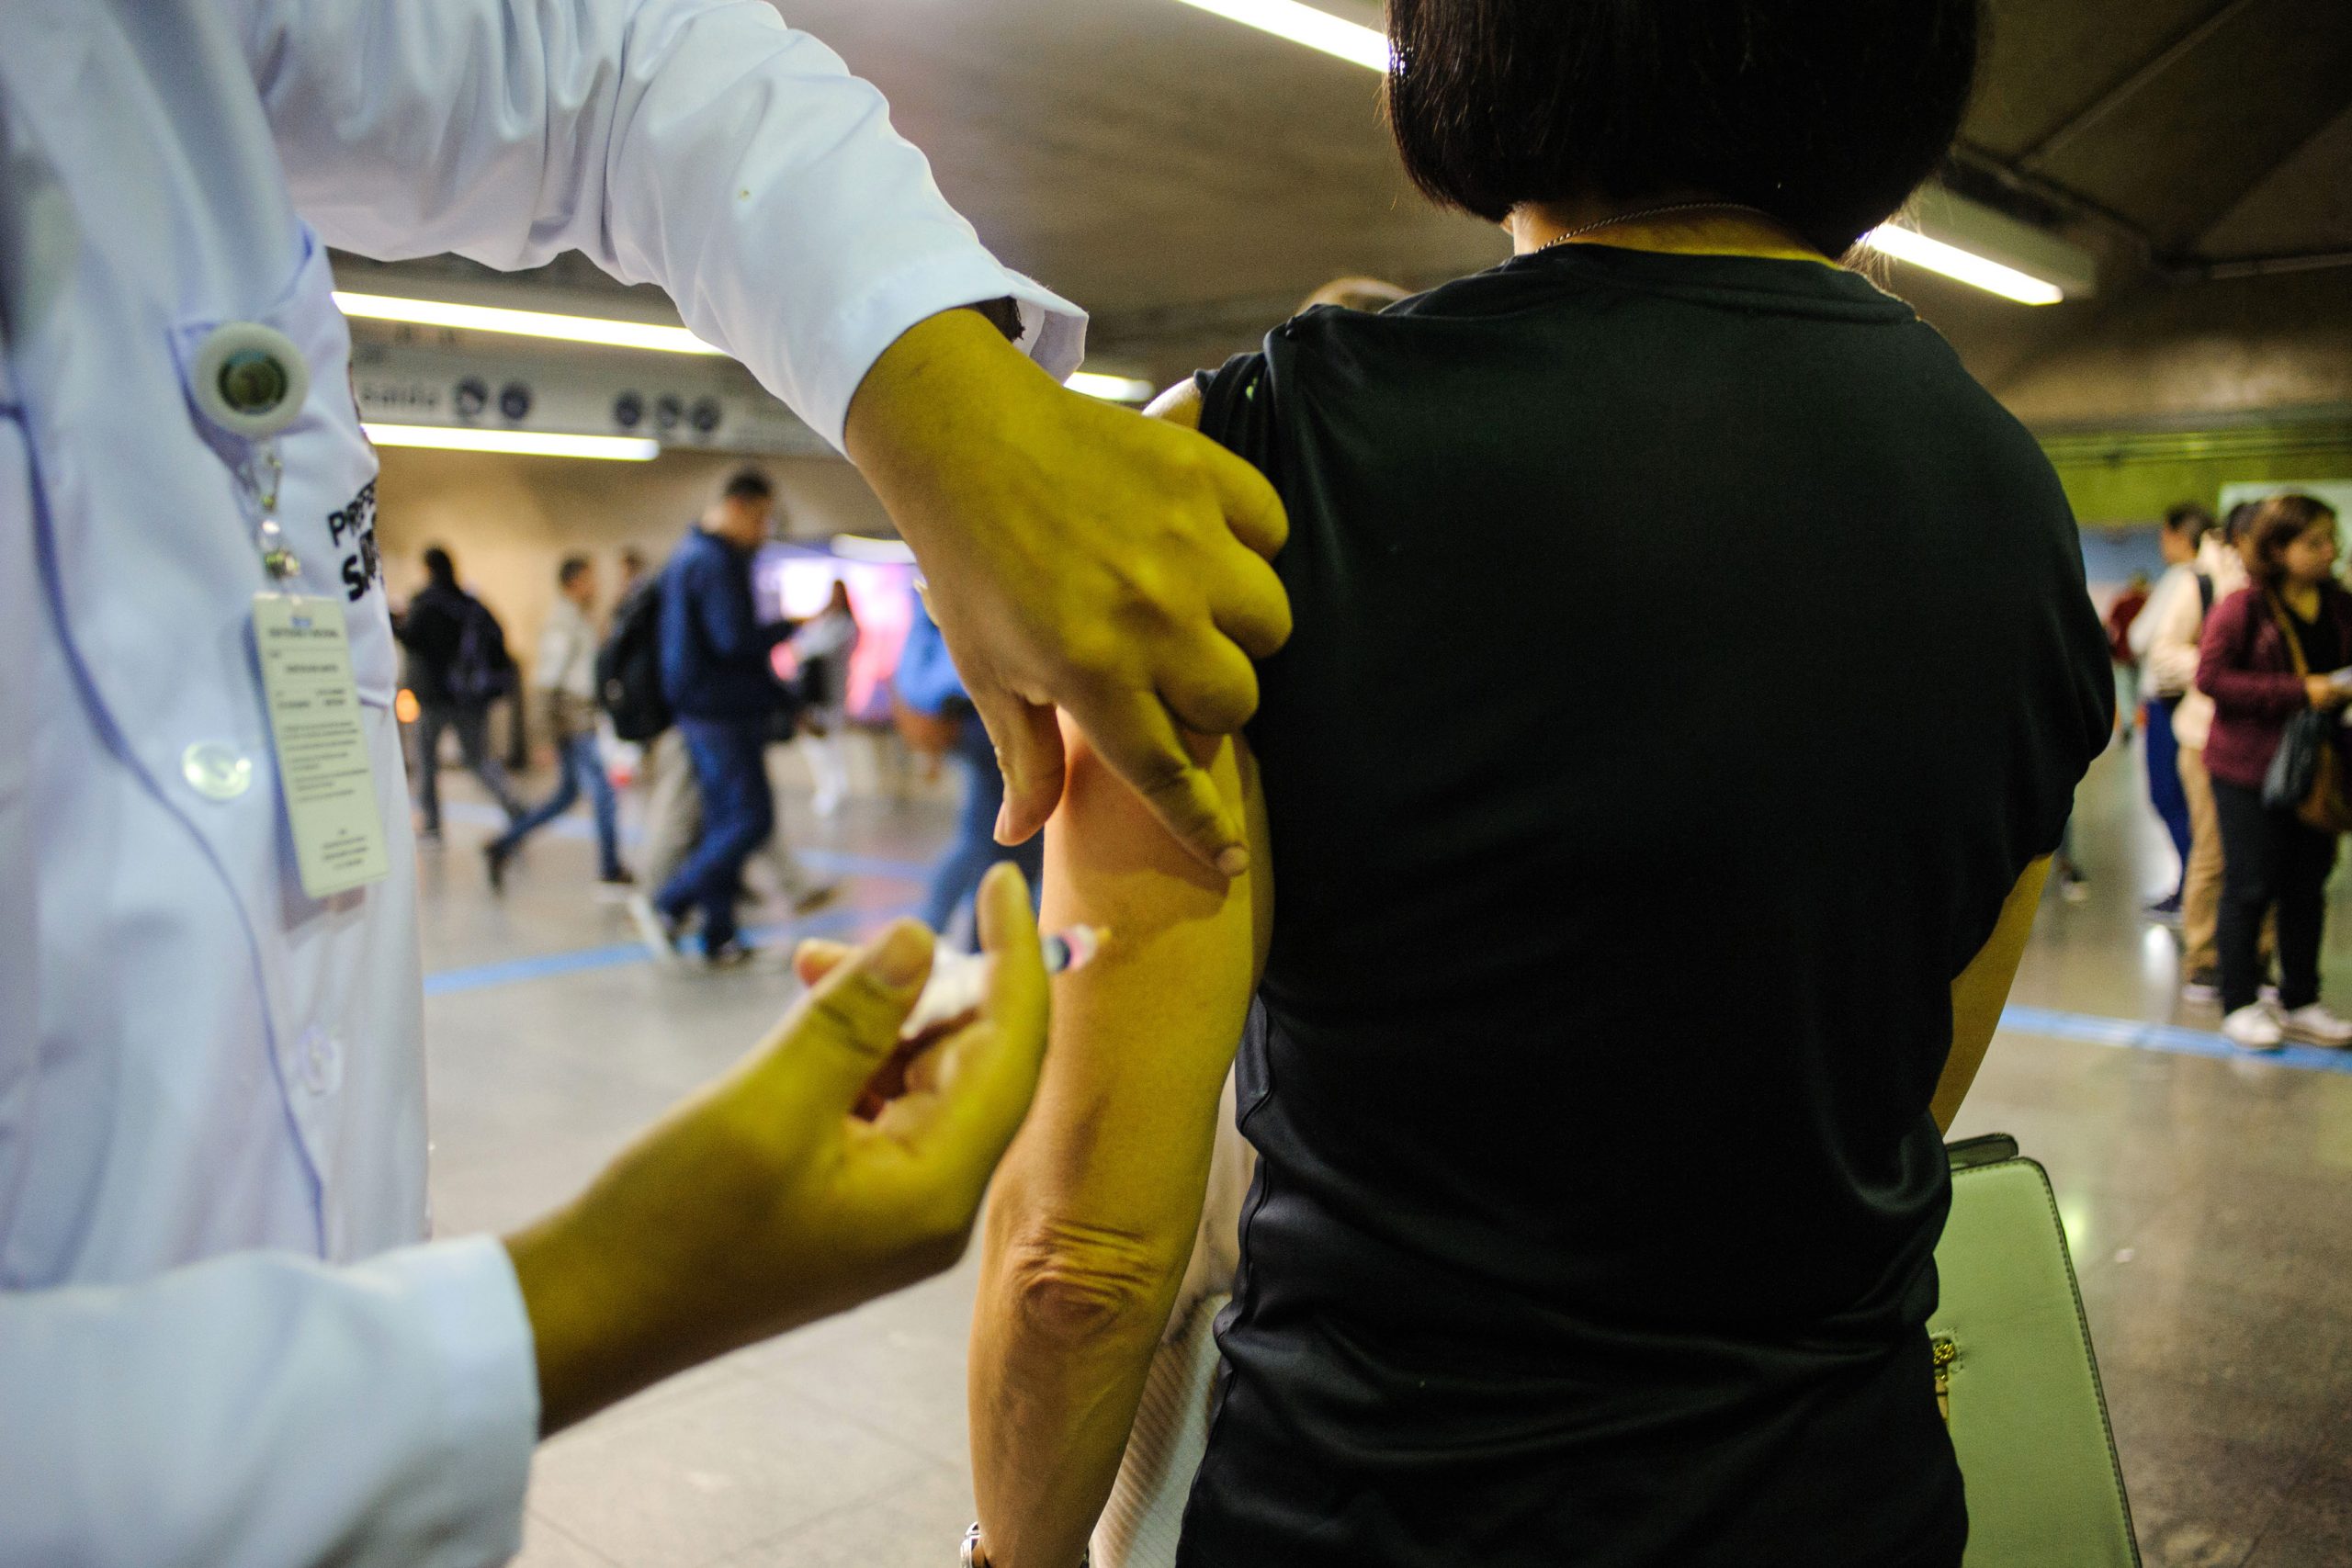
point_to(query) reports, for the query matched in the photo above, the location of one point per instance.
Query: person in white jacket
(2162, 683)
(2166, 636)
(221, 1342)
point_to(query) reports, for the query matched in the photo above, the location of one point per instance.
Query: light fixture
(1111, 388)
(1349, 41)
(524, 443)
(1966, 266)
(523, 323)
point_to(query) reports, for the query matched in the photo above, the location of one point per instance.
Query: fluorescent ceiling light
(1366, 46)
(523, 323)
(527, 443)
(1978, 272)
(1116, 388)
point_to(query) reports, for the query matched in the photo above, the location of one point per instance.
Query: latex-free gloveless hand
(1079, 556)
(763, 1204)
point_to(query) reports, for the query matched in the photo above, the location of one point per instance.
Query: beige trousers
(2201, 879)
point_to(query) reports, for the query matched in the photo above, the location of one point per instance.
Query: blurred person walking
(2172, 631)
(566, 675)
(2161, 682)
(2268, 654)
(719, 681)
(936, 716)
(823, 645)
(457, 665)
(2120, 618)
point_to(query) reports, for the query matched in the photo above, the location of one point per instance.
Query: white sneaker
(2314, 1025)
(2254, 1028)
(660, 936)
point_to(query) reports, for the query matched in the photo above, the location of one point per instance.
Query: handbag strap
(2294, 644)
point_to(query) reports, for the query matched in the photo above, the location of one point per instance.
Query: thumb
(1028, 740)
(848, 1025)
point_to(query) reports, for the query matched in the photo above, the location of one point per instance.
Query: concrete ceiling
(1189, 180)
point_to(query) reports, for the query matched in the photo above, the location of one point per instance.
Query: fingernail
(899, 960)
(1233, 859)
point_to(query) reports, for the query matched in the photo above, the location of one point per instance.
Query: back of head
(439, 568)
(750, 485)
(2189, 519)
(1824, 113)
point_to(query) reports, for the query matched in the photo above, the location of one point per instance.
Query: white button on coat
(197, 1063)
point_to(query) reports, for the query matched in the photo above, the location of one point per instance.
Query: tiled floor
(2208, 1201)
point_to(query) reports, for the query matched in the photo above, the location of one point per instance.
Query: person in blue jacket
(717, 678)
(928, 685)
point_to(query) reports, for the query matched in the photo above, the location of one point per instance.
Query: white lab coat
(197, 1061)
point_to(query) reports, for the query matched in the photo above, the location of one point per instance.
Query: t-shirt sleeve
(1237, 411)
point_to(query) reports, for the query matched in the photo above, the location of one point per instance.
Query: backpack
(483, 670)
(628, 667)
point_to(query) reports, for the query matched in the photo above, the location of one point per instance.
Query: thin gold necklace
(1654, 212)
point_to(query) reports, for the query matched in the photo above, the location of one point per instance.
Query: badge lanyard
(251, 380)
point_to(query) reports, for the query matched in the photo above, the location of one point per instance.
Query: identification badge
(320, 736)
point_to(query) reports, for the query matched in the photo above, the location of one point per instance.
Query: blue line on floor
(2135, 1035)
(578, 824)
(613, 955)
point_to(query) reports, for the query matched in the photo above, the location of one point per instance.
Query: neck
(1715, 231)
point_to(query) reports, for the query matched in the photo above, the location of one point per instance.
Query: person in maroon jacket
(2257, 680)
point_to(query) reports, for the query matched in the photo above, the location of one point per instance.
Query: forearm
(1057, 1375)
(1982, 990)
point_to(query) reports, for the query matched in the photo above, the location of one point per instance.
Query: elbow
(1084, 1287)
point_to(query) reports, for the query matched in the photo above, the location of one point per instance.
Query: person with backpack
(718, 681)
(629, 685)
(566, 673)
(457, 665)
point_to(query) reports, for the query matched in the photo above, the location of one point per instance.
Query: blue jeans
(738, 814)
(577, 765)
(957, 877)
(2165, 790)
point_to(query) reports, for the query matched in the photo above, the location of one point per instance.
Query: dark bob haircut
(1824, 113)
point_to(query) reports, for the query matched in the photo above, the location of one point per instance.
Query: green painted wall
(2116, 478)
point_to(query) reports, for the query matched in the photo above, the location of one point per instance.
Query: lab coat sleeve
(702, 145)
(263, 1410)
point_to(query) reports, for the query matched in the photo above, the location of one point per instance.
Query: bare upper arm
(1117, 1147)
(1115, 1150)
(1983, 989)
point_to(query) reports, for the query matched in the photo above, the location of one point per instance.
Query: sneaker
(656, 930)
(733, 953)
(494, 856)
(2205, 985)
(2314, 1025)
(2165, 910)
(623, 877)
(2075, 889)
(809, 900)
(2254, 1028)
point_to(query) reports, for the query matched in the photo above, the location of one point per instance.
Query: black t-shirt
(2319, 642)
(1689, 658)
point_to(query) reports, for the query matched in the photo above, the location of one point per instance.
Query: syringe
(959, 981)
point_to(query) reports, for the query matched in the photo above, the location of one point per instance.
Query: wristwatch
(972, 1558)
